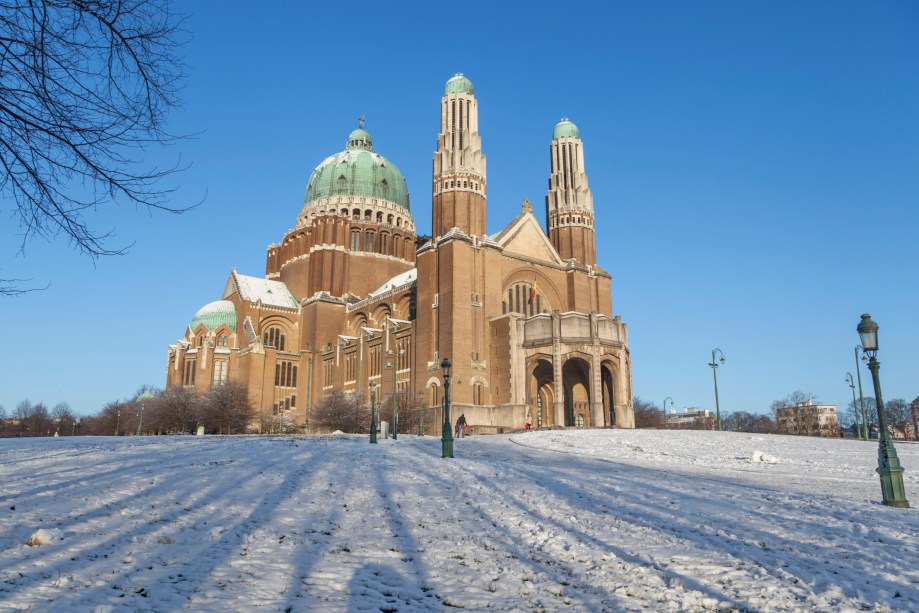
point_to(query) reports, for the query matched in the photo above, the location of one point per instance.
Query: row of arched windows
(523, 298)
(285, 374)
(274, 338)
(189, 377)
(371, 242)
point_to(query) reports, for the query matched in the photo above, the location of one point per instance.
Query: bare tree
(177, 410)
(227, 409)
(21, 415)
(63, 417)
(742, 421)
(647, 415)
(85, 87)
(898, 416)
(340, 410)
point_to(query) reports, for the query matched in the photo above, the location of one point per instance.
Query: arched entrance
(541, 397)
(607, 377)
(576, 385)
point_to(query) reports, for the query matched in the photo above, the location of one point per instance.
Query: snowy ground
(597, 520)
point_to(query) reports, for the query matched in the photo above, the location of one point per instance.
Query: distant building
(689, 415)
(809, 419)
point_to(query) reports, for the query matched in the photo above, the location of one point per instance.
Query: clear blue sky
(755, 170)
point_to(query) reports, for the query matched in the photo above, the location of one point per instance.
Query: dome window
(384, 188)
(342, 184)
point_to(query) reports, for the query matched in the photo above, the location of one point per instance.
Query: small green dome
(358, 171)
(360, 139)
(565, 129)
(214, 314)
(459, 85)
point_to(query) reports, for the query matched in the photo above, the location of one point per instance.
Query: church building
(353, 292)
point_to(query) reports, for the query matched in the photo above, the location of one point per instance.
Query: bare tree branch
(86, 87)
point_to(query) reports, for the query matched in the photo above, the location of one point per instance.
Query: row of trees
(349, 412)
(225, 409)
(902, 418)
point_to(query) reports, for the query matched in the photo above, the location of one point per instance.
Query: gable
(524, 236)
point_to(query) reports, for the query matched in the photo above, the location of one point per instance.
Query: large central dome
(358, 171)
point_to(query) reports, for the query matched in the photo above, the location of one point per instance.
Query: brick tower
(569, 203)
(459, 164)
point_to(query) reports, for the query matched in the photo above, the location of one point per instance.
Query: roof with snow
(408, 276)
(255, 289)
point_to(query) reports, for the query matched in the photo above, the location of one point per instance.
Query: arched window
(383, 244)
(368, 241)
(355, 240)
(273, 338)
(580, 421)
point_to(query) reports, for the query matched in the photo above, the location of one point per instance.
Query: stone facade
(808, 419)
(352, 292)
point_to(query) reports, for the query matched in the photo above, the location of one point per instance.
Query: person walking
(526, 423)
(461, 426)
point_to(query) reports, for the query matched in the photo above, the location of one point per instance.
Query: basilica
(354, 297)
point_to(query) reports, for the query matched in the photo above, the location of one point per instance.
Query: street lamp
(118, 422)
(889, 469)
(373, 414)
(665, 405)
(140, 422)
(395, 393)
(851, 382)
(447, 433)
(420, 412)
(714, 365)
(861, 397)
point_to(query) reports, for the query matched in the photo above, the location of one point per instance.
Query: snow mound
(43, 537)
(765, 458)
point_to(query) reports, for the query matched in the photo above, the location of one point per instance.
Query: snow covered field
(596, 520)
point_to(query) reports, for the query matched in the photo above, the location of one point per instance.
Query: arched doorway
(608, 389)
(576, 385)
(541, 398)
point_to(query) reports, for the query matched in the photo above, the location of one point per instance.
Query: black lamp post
(861, 396)
(447, 433)
(714, 365)
(889, 469)
(373, 412)
(420, 413)
(851, 383)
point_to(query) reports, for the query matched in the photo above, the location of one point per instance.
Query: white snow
(594, 520)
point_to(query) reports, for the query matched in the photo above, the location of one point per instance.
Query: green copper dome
(214, 314)
(459, 85)
(358, 171)
(565, 129)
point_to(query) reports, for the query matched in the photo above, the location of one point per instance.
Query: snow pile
(43, 537)
(765, 458)
(574, 520)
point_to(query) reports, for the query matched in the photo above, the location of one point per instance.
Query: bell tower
(569, 202)
(459, 164)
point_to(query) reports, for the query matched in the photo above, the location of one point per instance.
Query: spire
(569, 202)
(459, 164)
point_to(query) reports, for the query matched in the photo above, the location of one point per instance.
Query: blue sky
(755, 171)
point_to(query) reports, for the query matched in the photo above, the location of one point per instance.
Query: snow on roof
(408, 276)
(271, 293)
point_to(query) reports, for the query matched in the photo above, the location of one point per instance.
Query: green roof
(565, 129)
(459, 85)
(358, 171)
(214, 314)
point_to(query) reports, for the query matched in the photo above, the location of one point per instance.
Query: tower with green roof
(569, 202)
(459, 164)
